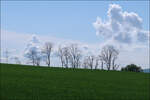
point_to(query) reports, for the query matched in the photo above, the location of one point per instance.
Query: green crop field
(20, 82)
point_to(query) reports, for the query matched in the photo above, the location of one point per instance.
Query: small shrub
(132, 68)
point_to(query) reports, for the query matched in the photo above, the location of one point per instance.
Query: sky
(91, 24)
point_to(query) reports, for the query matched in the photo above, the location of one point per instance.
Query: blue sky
(63, 19)
(78, 21)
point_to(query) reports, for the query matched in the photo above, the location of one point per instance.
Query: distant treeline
(72, 57)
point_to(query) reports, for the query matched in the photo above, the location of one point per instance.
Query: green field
(20, 82)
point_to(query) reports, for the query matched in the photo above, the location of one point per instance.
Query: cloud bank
(121, 27)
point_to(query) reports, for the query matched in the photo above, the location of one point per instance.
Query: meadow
(22, 82)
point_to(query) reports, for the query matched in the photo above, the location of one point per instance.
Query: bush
(132, 68)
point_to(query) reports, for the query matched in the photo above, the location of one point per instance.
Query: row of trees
(71, 56)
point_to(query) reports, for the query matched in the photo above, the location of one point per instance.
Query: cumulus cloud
(122, 26)
(33, 44)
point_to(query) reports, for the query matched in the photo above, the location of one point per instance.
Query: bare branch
(47, 52)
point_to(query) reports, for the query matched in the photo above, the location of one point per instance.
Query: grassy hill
(19, 82)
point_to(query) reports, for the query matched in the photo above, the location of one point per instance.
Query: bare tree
(32, 55)
(91, 61)
(102, 62)
(85, 62)
(75, 55)
(114, 58)
(78, 62)
(60, 54)
(108, 55)
(114, 66)
(47, 52)
(66, 56)
(96, 62)
(38, 60)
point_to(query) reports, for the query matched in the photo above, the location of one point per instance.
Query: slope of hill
(19, 82)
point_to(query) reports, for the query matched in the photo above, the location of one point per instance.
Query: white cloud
(122, 27)
(124, 30)
(34, 44)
